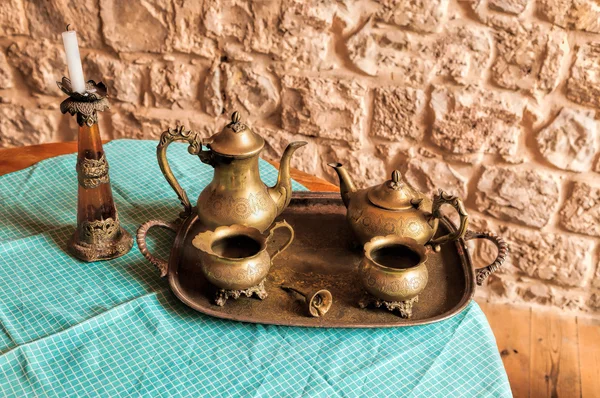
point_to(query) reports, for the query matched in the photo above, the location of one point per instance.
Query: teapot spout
(347, 186)
(281, 193)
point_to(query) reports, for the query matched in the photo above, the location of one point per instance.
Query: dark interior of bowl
(396, 256)
(236, 246)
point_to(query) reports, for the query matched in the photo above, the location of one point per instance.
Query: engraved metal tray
(324, 256)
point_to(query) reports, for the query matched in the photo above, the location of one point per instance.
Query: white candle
(74, 61)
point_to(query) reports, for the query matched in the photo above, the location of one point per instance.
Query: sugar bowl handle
(281, 224)
(142, 231)
(442, 198)
(195, 148)
(503, 250)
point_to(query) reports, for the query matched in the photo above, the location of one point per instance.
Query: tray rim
(460, 244)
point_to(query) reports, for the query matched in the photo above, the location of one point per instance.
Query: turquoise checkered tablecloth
(113, 328)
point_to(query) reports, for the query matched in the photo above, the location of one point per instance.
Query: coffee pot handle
(442, 198)
(195, 148)
(281, 224)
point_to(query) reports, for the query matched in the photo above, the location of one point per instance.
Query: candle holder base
(89, 252)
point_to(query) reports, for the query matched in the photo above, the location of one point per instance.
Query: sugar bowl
(393, 271)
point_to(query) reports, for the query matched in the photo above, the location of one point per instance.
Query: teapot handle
(195, 148)
(442, 198)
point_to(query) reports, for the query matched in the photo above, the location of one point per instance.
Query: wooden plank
(13, 159)
(310, 181)
(512, 328)
(589, 356)
(554, 356)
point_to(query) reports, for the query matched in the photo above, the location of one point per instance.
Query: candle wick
(68, 27)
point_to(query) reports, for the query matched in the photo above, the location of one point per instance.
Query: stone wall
(493, 100)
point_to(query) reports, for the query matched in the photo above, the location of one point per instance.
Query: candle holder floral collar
(99, 235)
(85, 105)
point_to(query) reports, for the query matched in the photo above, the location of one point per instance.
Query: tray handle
(142, 231)
(503, 250)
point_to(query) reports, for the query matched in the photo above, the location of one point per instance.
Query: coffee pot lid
(236, 139)
(393, 194)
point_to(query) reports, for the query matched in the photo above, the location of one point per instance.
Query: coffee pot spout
(281, 193)
(347, 186)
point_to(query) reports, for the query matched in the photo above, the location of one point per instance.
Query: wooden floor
(547, 354)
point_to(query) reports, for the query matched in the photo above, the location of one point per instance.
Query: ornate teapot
(395, 208)
(236, 194)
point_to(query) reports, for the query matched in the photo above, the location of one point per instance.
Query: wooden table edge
(15, 159)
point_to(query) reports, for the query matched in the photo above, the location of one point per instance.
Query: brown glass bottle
(93, 203)
(99, 235)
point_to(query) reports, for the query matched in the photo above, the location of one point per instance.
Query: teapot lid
(236, 139)
(393, 194)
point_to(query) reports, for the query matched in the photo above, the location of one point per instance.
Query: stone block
(557, 49)
(397, 113)
(48, 18)
(12, 18)
(594, 301)
(41, 63)
(325, 108)
(583, 86)
(520, 195)
(295, 34)
(20, 126)
(318, 14)
(543, 294)
(470, 121)
(428, 174)
(123, 79)
(596, 278)
(212, 93)
(305, 48)
(142, 125)
(503, 288)
(419, 15)
(305, 39)
(558, 258)
(251, 90)
(461, 52)
(570, 142)
(6, 74)
(571, 14)
(136, 25)
(581, 211)
(189, 30)
(378, 52)
(175, 84)
(529, 57)
(508, 6)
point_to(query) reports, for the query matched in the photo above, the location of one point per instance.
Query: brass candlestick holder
(99, 235)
